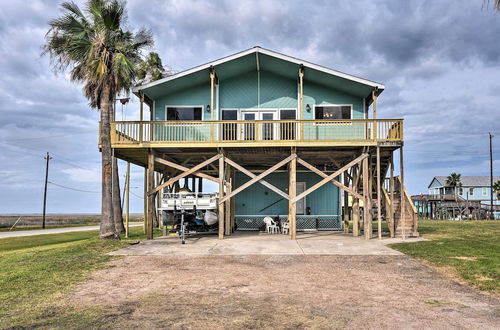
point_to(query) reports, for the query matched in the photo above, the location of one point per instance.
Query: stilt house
(280, 137)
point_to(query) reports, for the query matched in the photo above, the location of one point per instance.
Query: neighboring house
(471, 200)
(475, 188)
(268, 128)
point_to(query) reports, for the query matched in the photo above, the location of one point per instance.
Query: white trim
(269, 53)
(186, 106)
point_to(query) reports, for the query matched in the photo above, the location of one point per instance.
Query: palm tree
(496, 187)
(150, 69)
(103, 58)
(453, 180)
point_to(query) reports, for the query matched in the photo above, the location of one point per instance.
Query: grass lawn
(468, 250)
(49, 226)
(36, 272)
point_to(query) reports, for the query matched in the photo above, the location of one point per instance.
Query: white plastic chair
(271, 226)
(285, 227)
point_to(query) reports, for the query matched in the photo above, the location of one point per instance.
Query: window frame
(333, 105)
(184, 106)
(471, 191)
(230, 109)
(485, 191)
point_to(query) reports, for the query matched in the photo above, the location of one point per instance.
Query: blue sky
(439, 61)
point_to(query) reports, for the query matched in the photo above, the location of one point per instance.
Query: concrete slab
(261, 244)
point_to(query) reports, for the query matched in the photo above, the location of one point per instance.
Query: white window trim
(333, 105)
(203, 109)
(277, 111)
(471, 193)
(485, 191)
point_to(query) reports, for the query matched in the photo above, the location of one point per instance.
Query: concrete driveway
(253, 243)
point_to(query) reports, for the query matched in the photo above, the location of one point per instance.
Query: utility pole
(45, 190)
(491, 176)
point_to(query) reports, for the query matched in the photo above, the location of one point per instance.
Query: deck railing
(261, 131)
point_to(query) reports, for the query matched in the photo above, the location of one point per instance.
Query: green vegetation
(36, 272)
(50, 226)
(469, 250)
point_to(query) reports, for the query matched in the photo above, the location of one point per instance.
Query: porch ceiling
(251, 158)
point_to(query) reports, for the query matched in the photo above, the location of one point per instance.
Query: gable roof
(258, 57)
(469, 181)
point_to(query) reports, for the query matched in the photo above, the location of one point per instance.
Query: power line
(75, 189)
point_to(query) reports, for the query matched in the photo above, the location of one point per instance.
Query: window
(184, 113)
(460, 191)
(288, 129)
(485, 191)
(287, 114)
(229, 130)
(332, 112)
(471, 191)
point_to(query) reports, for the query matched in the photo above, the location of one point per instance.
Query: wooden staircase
(409, 224)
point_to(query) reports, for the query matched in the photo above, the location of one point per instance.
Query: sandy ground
(283, 292)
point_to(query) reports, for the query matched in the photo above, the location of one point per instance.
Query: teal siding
(323, 201)
(196, 95)
(242, 91)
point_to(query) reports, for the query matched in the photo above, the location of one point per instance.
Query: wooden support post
(392, 221)
(379, 192)
(127, 199)
(200, 185)
(227, 218)
(346, 204)
(292, 191)
(355, 201)
(233, 205)
(151, 197)
(402, 193)
(367, 200)
(221, 196)
(145, 198)
(141, 117)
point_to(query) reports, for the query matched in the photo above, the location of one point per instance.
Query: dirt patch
(283, 292)
(465, 258)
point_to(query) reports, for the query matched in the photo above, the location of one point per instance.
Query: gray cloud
(439, 60)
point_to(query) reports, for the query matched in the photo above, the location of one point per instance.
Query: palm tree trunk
(107, 229)
(117, 203)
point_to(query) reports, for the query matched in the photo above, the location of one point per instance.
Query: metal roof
(469, 181)
(261, 59)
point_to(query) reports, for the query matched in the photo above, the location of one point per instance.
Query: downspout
(212, 80)
(301, 90)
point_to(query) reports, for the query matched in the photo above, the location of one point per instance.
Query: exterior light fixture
(208, 108)
(308, 108)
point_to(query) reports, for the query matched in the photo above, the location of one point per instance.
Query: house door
(301, 204)
(264, 131)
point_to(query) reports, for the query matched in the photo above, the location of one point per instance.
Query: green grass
(467, 249)
(49, 226)
(36, 272)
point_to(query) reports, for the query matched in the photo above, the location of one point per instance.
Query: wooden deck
(282, 133)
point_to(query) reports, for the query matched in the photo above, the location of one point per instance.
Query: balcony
(261, 133)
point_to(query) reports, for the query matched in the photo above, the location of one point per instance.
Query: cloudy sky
(439, 60)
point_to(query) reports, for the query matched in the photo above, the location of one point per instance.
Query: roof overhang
(258, 58)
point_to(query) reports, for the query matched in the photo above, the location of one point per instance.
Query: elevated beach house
(280, 137)
(472, 198)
